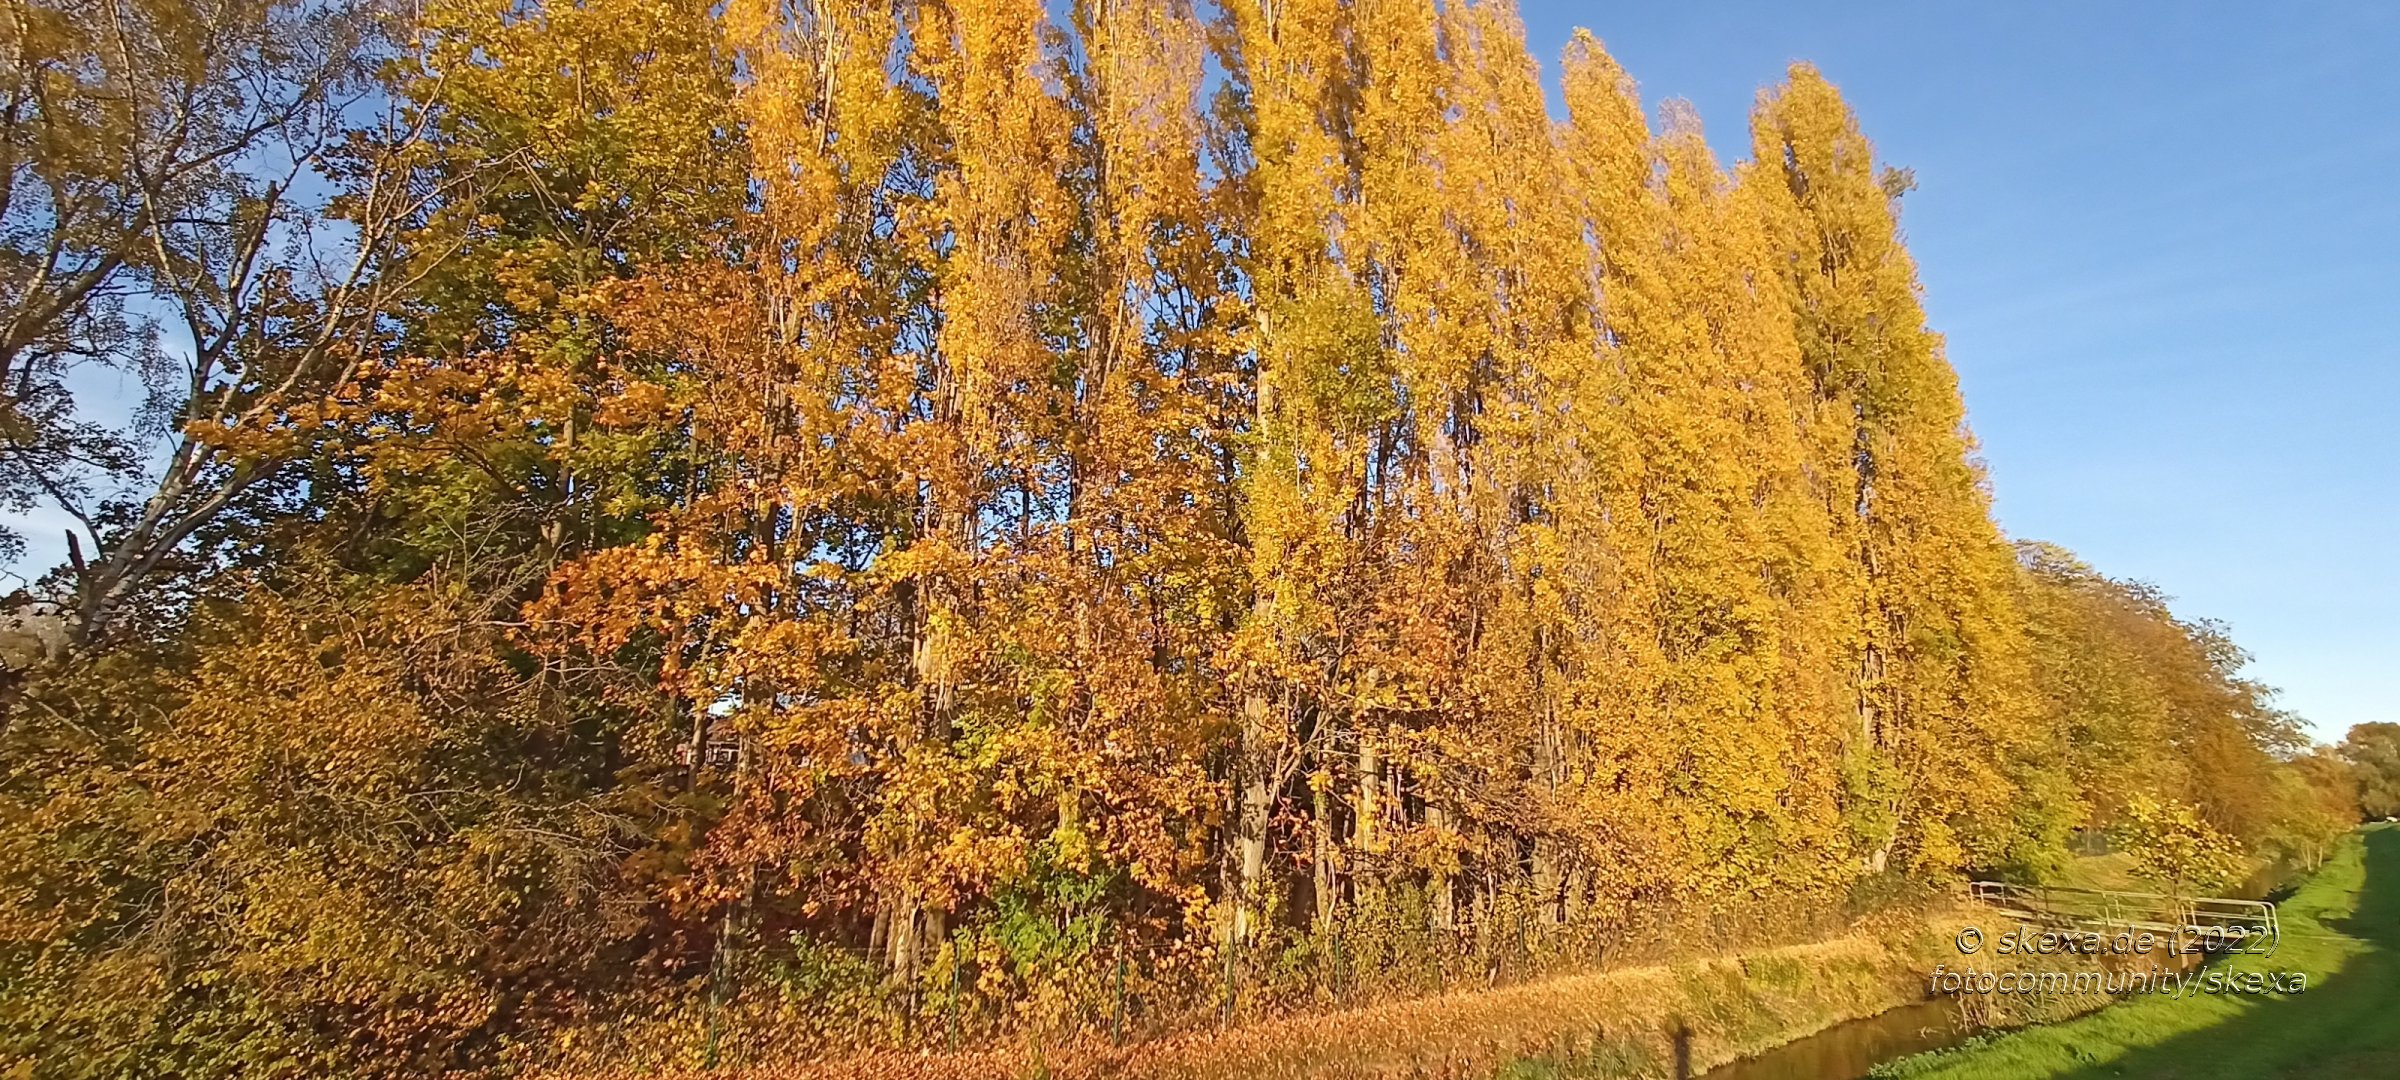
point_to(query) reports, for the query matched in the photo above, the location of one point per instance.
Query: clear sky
(2164, 243)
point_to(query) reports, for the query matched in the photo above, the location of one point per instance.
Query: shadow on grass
(2347, 1025)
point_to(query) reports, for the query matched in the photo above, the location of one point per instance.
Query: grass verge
(2341, 929)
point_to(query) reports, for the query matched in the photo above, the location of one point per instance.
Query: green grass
(2342, 928)
(2112, 871)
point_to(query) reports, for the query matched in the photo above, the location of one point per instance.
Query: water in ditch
(1850, 1050)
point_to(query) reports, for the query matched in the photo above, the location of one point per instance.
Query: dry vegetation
(1730, 1006)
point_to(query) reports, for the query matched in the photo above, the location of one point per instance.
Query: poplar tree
(1322, 392)
(1624, 681)
(1520, 316)
(1941, 676)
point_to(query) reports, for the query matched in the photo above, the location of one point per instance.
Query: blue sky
(2164, 242)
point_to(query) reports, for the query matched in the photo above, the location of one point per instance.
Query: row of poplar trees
(861, 472)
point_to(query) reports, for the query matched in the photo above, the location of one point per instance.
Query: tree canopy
(944, 484)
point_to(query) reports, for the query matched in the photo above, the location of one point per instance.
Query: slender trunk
(1321, 867)
(1367, 832)
(1257, 802)
(903, 944)
(1873, 739)
(882, 932)
(1549, 880)
(1443, 892)
(696, 750)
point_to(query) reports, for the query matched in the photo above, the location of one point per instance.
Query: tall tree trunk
(902, 951)
(1257, 801)
(1367, 831)
(1322, 863)
(1441, 887)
